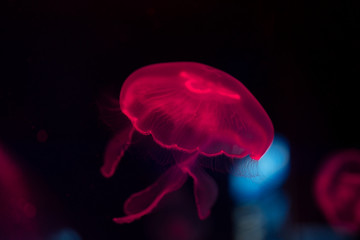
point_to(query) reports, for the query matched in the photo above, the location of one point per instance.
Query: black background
(299, 59)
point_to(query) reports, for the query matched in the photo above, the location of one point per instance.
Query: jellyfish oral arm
(143, 202)
(115, 150)
(205, 190)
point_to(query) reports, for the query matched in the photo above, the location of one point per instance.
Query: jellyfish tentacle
(143, 202)
(205, 190)
(115, 150)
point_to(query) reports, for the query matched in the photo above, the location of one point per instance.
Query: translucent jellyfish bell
(173, 101)
(337, 190)
(196, 110)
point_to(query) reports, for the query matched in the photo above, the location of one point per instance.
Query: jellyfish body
(196, 110)
(337, 190)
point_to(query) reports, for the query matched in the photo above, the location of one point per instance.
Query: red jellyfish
(337, 190)
(195, 110)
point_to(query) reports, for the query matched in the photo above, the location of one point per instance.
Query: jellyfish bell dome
(194, 107)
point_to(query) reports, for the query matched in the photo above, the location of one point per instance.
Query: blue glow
(263, 218)
(275, 208)
(315, 232)
(272, 171)
(66, 234)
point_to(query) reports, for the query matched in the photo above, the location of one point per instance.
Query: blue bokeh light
(66, 234)
(263, 218)
(271, 171)
(316, 231)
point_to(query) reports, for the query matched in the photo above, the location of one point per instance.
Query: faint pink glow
(337, 190)
(179, 228)
(16, 211)
(350, 178)
(29, 210)
(42, 135)
(194, 110)
(177, 225)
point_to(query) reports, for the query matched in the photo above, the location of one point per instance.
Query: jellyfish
(337, 190)
(193, 110)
